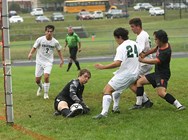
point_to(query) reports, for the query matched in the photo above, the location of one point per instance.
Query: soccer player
(72, 40)
(144, 43)
(159, 78)
(126, 59)
(45, 46)
(72, 93)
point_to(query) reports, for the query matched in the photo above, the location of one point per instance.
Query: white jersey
(45, 52)
(144, 43)
(127, 53)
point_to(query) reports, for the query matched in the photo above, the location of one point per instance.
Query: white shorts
(122, 82)
(41, 69)
(145, 69)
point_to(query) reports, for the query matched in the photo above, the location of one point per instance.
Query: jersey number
(131, 52)
(47, 50)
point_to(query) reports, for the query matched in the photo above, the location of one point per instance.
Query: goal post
(6, 62)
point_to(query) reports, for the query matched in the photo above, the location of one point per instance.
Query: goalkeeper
(72, 93)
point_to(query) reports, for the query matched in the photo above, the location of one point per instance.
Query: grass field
(33, 117)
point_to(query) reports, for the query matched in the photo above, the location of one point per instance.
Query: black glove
(85, 108)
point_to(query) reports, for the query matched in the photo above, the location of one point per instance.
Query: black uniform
(71, 93)
(162, 70)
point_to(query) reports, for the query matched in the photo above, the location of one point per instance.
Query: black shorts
(73, 52)
(59, 99)
(156, 80)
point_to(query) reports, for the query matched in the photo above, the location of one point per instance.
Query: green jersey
(72, 40)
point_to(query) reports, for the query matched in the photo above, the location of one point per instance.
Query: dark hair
(50, 27)
(83, 71)
(121, 32)
(136, 22)
(161, 35)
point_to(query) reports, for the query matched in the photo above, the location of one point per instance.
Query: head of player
(84, 75)
(136, 25)
(49, 29)
(120, 35)
(161, 37)
(70, 30)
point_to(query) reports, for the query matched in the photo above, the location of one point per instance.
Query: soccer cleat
(135, 107)
(99, 116)
(75, 113)
(181, 108)
(57, 113)
(39, 91)
(116, 110)
(46, 96)
(147, 104)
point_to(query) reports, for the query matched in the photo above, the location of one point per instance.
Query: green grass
(160, 122)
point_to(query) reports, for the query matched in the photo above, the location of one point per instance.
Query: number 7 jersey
(45, 50)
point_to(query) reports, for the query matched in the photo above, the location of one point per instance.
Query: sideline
(27, 132)
(87, 59)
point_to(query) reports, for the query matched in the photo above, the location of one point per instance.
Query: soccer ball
(76, 106)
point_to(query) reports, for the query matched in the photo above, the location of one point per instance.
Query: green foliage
(34, 114)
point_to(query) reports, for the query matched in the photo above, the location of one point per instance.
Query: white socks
(106, 104)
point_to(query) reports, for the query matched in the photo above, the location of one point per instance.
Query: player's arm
(65, 45)
(61, 57)
(79, 46)
(149, 61)
(31, 53)
(151, 51)
(73, 89)
(114, 64)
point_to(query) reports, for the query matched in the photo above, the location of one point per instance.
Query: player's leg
(144, 70)
(70, 60)
(38, 75)
(116, 99)
(74, 57)
(161, 91)
(105, 102)
(46, 85)
(139, 92)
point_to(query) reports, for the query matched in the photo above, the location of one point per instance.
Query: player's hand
(29, 56)
(61, 63)
(140, 59)
(98, 66)
(142, 55)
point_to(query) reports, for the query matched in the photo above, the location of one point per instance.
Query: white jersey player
(144, 44)
(45, 46)
(126, 59)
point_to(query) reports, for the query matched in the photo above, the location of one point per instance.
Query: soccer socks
(46, 88)
(65, 112)
(40, 84)
(69, 66)
(170, 99)
(139, 95)
(77, 64)
(145, 98)
(106, 104)
(116, 98)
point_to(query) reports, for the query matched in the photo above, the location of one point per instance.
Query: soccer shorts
(156, 80)
(41, 69)
(145, 69)
(122, 82)
(59, 99)
(73, 52)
